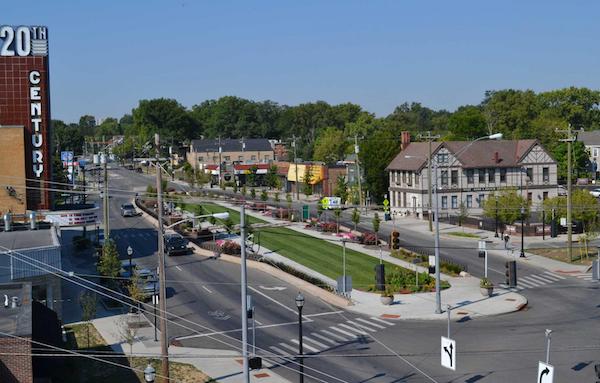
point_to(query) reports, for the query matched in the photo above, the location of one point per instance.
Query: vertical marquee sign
(25, 101)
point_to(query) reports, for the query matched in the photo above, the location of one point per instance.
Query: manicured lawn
(320, 255)
(462, 234)
(560, 254)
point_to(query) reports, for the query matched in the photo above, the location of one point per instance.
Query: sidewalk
(464, 293)
(221, 365)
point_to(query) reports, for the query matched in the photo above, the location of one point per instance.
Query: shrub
(328, 227)
(368, 238)
(231, 248)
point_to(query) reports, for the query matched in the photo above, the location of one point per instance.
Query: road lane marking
(258, 323)
(207, 289)
(277, 350)
(360, 326)
(336, 335)
(304, 345)
(350, 328)
(555, 275)
(324, 338)
(370, 323)
(550, 276)
(525, 283)
(530, 281)
(292, 349)
(311, 340)
(382, 321)
(542, 279)
(178, 268)
(276, 301)
(321, 314)
(295, 323)
(352, 336)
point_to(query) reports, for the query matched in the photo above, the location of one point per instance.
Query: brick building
(16, 365)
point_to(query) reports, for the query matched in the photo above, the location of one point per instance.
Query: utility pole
(296, 165)
(162, 292)
(220, 164)
(429, 138)
(570, 138)
(105, 202)
(244, 294)
(356, 149)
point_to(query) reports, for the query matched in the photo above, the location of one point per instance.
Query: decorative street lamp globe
(299, 300)
(149, 374)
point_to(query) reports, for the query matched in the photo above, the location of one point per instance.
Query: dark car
(175, 244)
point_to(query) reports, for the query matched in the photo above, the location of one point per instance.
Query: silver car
(128, 210)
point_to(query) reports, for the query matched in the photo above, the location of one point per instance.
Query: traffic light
(395, 241)
(255, 363)
(511, 273)
(481, 253)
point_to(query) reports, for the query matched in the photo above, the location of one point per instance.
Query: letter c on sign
(34, 77)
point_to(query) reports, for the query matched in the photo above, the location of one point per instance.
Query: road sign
(448, 351)
(331, 202)
(386, 205)
(545, 373)
(66, 156)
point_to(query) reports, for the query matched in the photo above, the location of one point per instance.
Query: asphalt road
(499, 349)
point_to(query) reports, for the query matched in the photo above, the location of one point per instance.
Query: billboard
(25, 102)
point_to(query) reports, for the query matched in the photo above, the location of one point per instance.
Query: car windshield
(127, 206)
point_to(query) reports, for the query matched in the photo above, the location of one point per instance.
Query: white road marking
(258, 323)
(350, 328)
(521, 282)
(550, 276)
(541, 279)
(530, 281)
(274, 301)
(361, 326)
(335, 335)
(207, 289)
(369, 323)
(321, 314)
(178, 268)
(311, 340)
(277, 350)
(292, 349)
(351, 335)
(273, 288)
(323, 338)
(304, 345)
(554, 275)
(382, 321)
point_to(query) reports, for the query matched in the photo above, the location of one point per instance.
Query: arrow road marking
(274, 288)
(449, 353)
(545, 371)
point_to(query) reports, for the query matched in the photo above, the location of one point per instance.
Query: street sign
(545, 373)
(66, 156)
(448, 352)
(386, 205)
(331, 202)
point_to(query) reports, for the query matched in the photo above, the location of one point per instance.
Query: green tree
(164, 116)
(463, 212)
(134, 288)
(580, 159)
(355, 217)
(330, 146)
(66, 137)
(272, 179)
(510, 203)
(108, 128)
(307, 179)
(264, 196)
(577, 106)
(88, 303)
(320, 210)
(467, 123)
(337, 213)
(376, 222)
(244, 191)
(341, 189)
(252, 193)
(109, 265)
(511, 112)
(288, 199)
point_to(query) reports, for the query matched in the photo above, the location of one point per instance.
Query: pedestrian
(506, 239)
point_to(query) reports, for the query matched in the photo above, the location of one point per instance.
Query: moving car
(128, 210)
(175, 244)
(595, 192)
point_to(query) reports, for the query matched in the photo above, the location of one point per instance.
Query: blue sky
(106, 55)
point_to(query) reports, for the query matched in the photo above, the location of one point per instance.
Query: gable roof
(589, 138)
(480, 154)
(232, 145)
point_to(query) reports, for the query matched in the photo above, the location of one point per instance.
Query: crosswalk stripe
(305, 345)
(554, 275)
(343, 332)
(370, 323)
(311, 340)
(292, 349)
(336, 336)
(277, 350)
(361, 326)
(382, 321)
(323, 338)
(266, 363)
(554, 278)
(354, 329)
(527, 283)
(542, 280)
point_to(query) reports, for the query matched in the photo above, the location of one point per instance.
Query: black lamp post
(149, 374)
(496, 234)
(522, 232)
(300, 304)
(130, 255)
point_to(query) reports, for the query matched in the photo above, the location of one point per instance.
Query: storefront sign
(73, 217)
(23, 41)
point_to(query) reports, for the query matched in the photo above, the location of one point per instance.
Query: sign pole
(548, 332)
(448, 309)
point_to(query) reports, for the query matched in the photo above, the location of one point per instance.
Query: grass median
(321, 255)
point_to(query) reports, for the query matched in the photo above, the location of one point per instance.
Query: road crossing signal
(511, 273)
(395, 241)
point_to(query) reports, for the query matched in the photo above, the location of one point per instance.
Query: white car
(595, 193)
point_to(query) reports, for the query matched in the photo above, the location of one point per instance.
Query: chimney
(404, 140)
(496, 158)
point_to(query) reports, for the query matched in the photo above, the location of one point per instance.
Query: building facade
(228, 151)
(591, 140)
(468, 173)
(25, 105)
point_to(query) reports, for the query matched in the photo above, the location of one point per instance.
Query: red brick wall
(15, 368)
(15, 110)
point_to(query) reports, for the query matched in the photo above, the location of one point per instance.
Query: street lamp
(149, 374)
(300, 304)
(496, 233)
(130, 254)
(438, 293)
(522, 232)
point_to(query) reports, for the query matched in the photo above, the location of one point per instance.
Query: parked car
(175, 244)
(128, 210)
(595, 192)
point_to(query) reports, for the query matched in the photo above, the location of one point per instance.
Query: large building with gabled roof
(468, 173)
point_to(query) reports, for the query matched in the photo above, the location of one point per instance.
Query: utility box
(380, 277)
(305, 212)
(596, 270)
